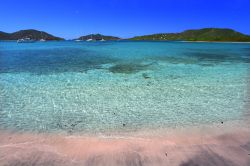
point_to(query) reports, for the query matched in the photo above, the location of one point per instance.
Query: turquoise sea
(120, 86)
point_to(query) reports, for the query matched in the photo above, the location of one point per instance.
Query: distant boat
(79, 40)
(42, 40)
(102, 40)
(25, 40)
(91, 39)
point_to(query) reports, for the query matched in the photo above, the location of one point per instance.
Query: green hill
(4, 36)
(30, 33)
(98, 37)
(206, 34)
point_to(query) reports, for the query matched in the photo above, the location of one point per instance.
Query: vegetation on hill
(30, 33)
(4, 36)
(98, 37)
(206, 34)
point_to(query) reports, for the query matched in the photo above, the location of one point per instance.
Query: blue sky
(123, 18)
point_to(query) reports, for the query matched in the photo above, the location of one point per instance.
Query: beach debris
(221, 122)
(123, 124)
(145, 76)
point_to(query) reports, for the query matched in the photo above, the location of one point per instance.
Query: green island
(205, 34)
(29, 33)
(98, 37)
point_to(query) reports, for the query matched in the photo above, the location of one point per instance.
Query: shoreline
(213, 128)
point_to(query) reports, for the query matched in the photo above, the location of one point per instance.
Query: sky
(123, 18)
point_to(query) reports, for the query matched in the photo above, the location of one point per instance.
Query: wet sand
(217, 145)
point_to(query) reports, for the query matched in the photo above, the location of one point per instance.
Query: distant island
(205, 34)
(30, 33)
(98, 37)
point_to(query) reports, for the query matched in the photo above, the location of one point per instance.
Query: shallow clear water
(113, 87)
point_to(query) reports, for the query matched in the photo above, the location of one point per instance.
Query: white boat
(42, 39)
(80, 39)
(102, 40)
(25, 40)
(91, 39)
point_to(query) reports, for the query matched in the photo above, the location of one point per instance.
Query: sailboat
(102, 40)
(42, 39)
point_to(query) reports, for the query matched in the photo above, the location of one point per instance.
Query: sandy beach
(211, 145)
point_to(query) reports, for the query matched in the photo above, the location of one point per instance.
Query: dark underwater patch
(175, 60)
(246, 55)
(246, 49)
(214, 57)
(128, 68)
(51, 61)
(206, 59)
(207, 64)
